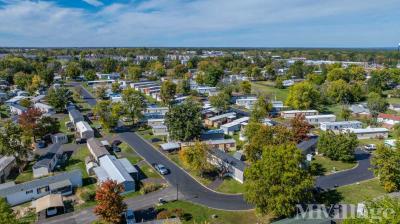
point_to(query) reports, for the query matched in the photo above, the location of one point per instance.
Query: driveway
(357, 174)
(86, 216)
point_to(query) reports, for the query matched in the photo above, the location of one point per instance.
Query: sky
(200, 23)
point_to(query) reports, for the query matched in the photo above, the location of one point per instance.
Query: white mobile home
(232, 166)
(369, 133)
(289, 114)
(84, 130)
(114, 169)
(61, 183)
(233, 126)
(155, 122)
(44, 108)
(247, 102)
(338, 125)
(46, 163)
(216, 121)
(7, 163)
(75, 116)
(96, 148)
(317, 119)
(17, 109)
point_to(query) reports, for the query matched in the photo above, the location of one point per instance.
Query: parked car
(116, 148)
(161, 169)
(116, 142)
(130, 217)
(370, 147)
(41, 144)
(80, 141)
(51, 211)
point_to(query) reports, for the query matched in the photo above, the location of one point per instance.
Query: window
(42, 189)
(29, 192)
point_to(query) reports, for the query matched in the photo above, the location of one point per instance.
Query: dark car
(116, 142)
(41, 144)
(116, 148)
(80, 141)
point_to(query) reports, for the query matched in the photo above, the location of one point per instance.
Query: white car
(161, 169)
(370, 147)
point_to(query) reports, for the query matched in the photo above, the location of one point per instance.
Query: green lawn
(199, 214)
(370, 141)
(361, 192)
(77, 161)
(229, 185)
(129, 153)
(149, 171)
(328, 165)
(269, 89)
(26, 175)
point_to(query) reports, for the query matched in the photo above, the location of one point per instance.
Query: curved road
(195, 192)
(357, 174)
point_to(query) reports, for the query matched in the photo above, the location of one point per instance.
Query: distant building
(369, 133)
(247, 102)
(44, 108)
(339, 125)
(388, 120)
(233, 126)
(217, 121)
(360, 110)
(289, 114)
(317, 119)
(109, 76)
(220, 144)
(17, 109)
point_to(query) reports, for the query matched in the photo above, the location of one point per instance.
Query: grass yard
(361, 192)
(229, 185)
(328, 165)
(149, 171)
(269, 89)
(200, 214)
(77, 161)
(26, 175)
(129, 153)
(370, 141)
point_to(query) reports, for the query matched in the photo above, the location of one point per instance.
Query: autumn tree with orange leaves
(300, 127)
(110, 204)
(28, 121)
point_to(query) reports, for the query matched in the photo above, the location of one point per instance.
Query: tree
(300, 127)
(101, 92)
(337, 74)
(303, 95)
(58, 98)
(133, 103)
(110, 204)
(116, 87)
(339, 146)
(12, 143)
(184, 121)
(339, 91)
(28, 121)
(167, 92)
(25, 102)
(46, 125)
(107, 118)
(73, 70)
(212, 72)
(195, 157)
(276, 182)
(297, 69)
(386, 166)
(90, 75)
(376, 104)
(183, 87)
(134, 73)
(22, 80)
(345, 113)
(7, 215)
(221, 101)
(35, 84)
(260, 109)
(380, 211)
(245, 87)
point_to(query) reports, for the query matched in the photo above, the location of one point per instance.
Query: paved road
(87, 216)
(360, 173)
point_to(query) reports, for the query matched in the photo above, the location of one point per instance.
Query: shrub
(164, 214)
(149, 187)
(88, 196)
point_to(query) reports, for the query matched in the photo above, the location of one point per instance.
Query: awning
(48, 201)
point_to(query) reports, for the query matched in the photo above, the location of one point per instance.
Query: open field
(329, 166)
(231, 186)
(269, 89)
(363, 191)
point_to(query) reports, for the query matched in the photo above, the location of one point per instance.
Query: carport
(49, 203)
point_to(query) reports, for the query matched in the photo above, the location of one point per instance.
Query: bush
(88, 196)
(149, 187)
(164, 214)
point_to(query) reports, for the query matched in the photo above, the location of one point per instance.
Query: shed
(60, 138)
(170, 146)
(84, 130)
